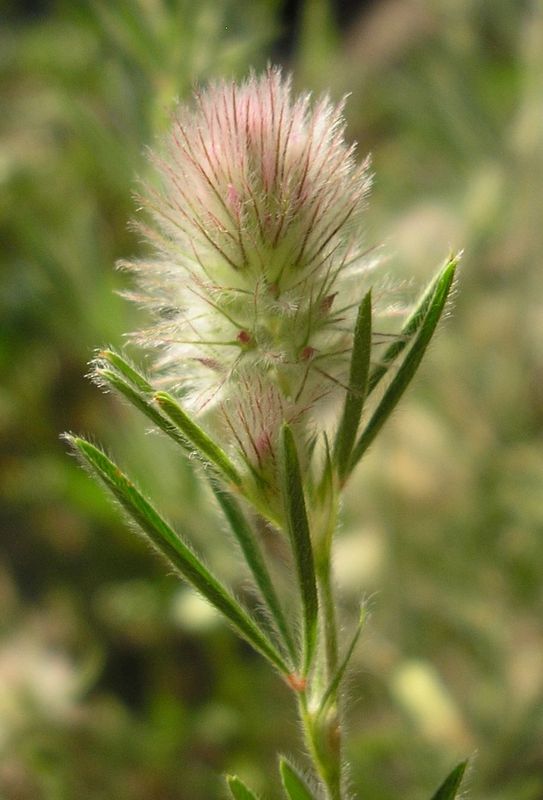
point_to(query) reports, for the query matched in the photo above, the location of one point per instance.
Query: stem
(321, 740)
(323, 731)
(324, 577)
(317, 691)
(328, 727)
(329, 618)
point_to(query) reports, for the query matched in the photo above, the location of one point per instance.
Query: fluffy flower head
(257, 268)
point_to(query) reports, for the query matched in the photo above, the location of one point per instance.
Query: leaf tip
(451, 785)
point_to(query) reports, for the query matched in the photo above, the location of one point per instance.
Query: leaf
(199, 438)
(331, 691)
(300, 539)
(326, 496)
(228, 504)
(127, 370)
(110, 369)
(356, 393)
(411, 326)
(325, 486)
(255, 561)
(293, 784)
(409, 365)
(140, 402)
(238, 790)
(450, 786)
(172, 547)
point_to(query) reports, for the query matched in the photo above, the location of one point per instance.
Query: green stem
(328, 726)
(323, 730)
(318, 690)
(320, 737)
(324, 578)
(328, 617)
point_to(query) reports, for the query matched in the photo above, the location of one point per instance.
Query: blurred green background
(116, 681)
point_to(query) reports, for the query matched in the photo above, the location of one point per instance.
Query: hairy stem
(328, 618)
(321, 737)
(323, 563)
(323, 730)
(329, 726)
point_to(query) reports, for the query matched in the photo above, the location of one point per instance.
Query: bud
(258, 267)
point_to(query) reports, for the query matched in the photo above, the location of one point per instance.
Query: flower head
(258, 267)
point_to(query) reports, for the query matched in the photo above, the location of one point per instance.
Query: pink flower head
(258, 267)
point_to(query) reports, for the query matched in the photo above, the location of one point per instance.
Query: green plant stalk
(328, 610)
(322, 731)
(324, 578)
(323, 541)
(319, 738)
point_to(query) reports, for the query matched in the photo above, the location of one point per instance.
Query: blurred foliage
(115, 680)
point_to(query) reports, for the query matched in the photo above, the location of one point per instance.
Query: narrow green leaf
(116, 382)
(256, 563)
(355, 396)
(300, 539)
(326, 495)
(134, 387)
(238, 790)
(201, 441)
(409, 365)
(409, 329)
(168, 543)
(333, 687)
(294, 785)
(450, 786)
(125, 368)
(229, 505)
(326, 484)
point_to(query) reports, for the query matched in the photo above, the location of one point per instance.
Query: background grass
(115, 681)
